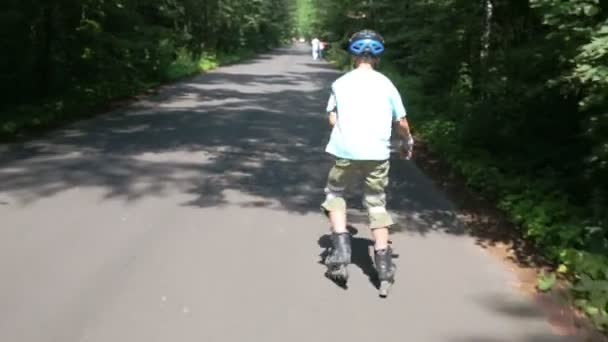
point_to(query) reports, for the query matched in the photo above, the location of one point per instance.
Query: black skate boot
(386, 270)
(338, 258)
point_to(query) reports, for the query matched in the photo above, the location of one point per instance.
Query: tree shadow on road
(261, 135)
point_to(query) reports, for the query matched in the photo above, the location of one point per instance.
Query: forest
(63, 60)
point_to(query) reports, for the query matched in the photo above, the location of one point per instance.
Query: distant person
(316, 43)
(322, 48)
(363, 107)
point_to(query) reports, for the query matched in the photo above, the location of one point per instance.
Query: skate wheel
(339, 273)
(385, 287)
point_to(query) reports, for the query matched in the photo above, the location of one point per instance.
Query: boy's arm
(403, 126)
(332, 109)
(333, 118)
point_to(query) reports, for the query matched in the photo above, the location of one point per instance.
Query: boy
(363, 106)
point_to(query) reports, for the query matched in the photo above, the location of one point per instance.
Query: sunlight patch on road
(196, 103)
(187, 157)
(12, 170)
(73, 133)
(132, 129)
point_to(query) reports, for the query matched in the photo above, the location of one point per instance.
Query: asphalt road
(193, 215)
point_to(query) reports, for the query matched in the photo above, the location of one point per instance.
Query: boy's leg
(374, 200)
(376, 182)
(380, 238)
(337, 219)
(334, 207)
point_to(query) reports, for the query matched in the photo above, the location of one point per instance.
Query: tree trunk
(45, 58)
(486, 36)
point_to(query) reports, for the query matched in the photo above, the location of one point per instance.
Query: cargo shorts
(375, 174)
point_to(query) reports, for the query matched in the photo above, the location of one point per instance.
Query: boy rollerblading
(363, 107)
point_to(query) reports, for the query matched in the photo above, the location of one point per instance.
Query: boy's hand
(407, 140)
(406, 148)
(333, 118)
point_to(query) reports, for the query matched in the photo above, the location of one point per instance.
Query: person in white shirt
(316, 45)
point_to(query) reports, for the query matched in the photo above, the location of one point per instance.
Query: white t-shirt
(367, 103)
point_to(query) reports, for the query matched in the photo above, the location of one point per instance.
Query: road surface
(193, 215)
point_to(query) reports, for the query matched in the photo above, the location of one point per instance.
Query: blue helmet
(366, 42)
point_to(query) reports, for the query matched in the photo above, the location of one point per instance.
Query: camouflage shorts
(375, 174)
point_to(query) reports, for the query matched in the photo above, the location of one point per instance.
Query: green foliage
(305, 15)
(84, 101)
(594, 298)
(81, 53)
(546, 282)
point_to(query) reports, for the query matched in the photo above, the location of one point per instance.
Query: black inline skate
(386, 270)
(338, 258)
